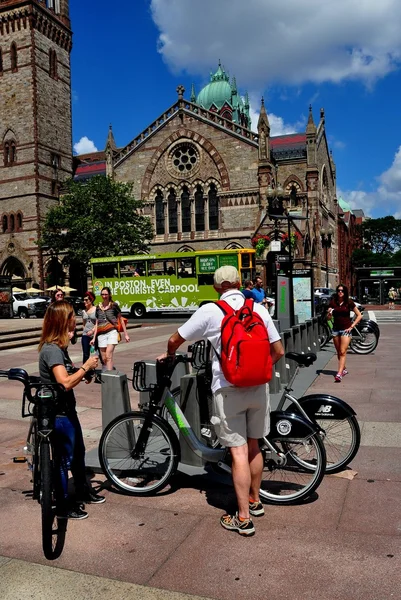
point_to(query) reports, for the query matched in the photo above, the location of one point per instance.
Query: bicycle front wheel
(47, 502)
(365, 344)
(138, 473)
(284, 479)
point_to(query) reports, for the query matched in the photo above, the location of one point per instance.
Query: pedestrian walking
(108, 316)
(55, 366)
(339, 311)
(240, 414)
(392, 295)
(89, 323)
(248, 289)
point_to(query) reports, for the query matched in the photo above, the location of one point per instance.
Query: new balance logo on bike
(325, 408)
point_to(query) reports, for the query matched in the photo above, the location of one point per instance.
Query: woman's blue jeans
(69, 449)
(85, 341)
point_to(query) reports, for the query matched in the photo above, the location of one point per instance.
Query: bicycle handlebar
(30, 382)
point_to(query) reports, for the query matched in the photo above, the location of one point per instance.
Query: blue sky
(345, 56)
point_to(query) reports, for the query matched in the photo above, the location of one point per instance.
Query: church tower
(35, 127)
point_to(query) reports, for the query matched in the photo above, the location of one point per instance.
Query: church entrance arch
(12, 267)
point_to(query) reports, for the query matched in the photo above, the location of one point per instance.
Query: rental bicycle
(336, 420)
(38, 402)
(139, 451)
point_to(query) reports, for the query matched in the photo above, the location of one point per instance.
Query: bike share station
(302, 337)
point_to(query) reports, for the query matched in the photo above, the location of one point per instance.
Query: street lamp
(277, 212)
(327, 241)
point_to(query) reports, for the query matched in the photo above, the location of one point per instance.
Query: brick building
(204, 176)
(35, 127)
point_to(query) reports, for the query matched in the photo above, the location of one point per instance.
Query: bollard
(281, 365)
(302, 336)
(296, 332)
(115, 395)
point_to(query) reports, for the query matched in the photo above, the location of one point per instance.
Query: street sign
(275, 246)
(382, 273)
(282, 258)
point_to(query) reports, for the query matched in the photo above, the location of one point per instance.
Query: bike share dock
(344, 544)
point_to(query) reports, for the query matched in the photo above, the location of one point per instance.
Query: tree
(382, 236)
(96, 218)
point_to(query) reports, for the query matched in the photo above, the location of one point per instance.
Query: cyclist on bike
(55, 366)
(240, 414)
(339, 310)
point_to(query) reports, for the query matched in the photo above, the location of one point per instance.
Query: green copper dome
(345, 207)
(217, 92)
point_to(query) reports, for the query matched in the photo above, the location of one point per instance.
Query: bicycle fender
(286, 425)
(369, 326)
(324, 406)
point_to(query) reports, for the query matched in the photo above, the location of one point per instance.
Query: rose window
(183, 159)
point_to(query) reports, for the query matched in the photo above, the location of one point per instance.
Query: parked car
(25, 306)
(77, 303)
(324, 291)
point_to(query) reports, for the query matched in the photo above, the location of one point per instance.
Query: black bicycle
(39, 402)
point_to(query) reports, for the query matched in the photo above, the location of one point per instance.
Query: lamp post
(276, 211)
(327, 241)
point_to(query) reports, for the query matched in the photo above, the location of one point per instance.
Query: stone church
(202, 169)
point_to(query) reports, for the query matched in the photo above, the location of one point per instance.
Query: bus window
(169, 267)
(186, 268)
(156, 268)
(205, 279)
(104, 270)
(132, 269)
(246, 261)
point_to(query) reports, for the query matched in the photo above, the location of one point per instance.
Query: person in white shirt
(240, 415)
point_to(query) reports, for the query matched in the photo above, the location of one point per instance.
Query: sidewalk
(344, 544)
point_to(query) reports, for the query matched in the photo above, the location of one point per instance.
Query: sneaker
(233, 523)
(338, 378)
(75, 513)
(256, 509)
(93, 498)
(345, 372)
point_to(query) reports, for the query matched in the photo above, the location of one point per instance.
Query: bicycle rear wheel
(284, 479)
(134, 473)
(47, 502)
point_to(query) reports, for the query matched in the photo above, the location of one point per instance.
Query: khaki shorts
(241, 413)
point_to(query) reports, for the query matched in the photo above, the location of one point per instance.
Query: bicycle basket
(200, 354)
(139, 382)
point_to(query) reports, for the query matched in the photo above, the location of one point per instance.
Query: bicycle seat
(306, 360)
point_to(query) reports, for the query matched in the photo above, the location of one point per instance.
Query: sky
(129, 57)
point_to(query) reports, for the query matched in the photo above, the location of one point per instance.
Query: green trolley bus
(175, 282)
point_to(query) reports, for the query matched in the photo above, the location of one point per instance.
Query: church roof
(345, 207)
(217, 92)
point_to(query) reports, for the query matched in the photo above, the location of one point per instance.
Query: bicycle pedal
(20, 459)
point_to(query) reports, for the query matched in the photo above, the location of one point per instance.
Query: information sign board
(207, 264)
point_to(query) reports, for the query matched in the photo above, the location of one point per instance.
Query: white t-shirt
(205, 324)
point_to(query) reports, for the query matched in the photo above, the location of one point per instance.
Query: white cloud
(84, 146)
(277, 125)
(386, 198)
(293, 42)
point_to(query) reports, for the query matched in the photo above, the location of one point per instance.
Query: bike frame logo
(324, 409)
(283, 427)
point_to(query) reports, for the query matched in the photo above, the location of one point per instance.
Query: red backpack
(245, 348)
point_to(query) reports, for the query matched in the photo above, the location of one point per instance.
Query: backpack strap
(225, 307)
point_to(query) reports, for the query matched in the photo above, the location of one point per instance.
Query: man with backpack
(245, 346)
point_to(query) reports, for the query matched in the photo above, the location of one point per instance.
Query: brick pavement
(344, 544)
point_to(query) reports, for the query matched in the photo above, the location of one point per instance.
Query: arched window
(12, 223)
(19, 221)
(4, 223)
(14, 57)
(172, 212)
(199, 210)
(293, 196)
(13, 153)
(6, 151)
(159, 213)
(53, 63)
(213, 208)
(185, 211)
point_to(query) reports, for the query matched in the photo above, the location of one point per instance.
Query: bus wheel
(138, 311)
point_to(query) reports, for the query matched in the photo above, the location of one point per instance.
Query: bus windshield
(176, 282)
